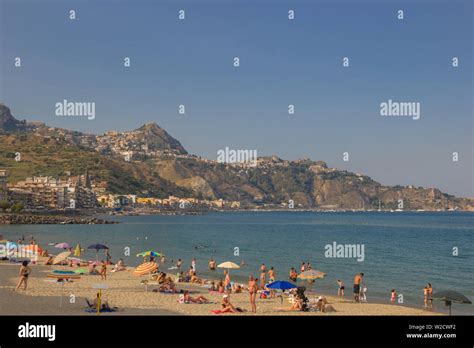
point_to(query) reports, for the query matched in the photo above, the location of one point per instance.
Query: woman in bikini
(103, 270)
(253, 292)
(23, 275)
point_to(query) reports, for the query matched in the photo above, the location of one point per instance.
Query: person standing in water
(340, 290)
(357, 282)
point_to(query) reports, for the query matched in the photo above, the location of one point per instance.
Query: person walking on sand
(103, 270)
(23, 275)
(357, 281)
(340, 290)
(253, 292)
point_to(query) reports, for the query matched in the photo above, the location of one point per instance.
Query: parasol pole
(62, 291)
(98, 302)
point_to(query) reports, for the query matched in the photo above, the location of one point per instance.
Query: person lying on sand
(189, 299)
(196, 280)
(296, 306)
(237, 288)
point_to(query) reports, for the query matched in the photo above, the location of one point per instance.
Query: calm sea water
(402, 250)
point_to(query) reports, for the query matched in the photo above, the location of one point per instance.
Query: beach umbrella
(62, 246)
(311, 274)
(77, 251)
(97, 247)
(281, 285)
(61, 257)
(34, 248)
(450, 296)
(81, 271)
(149, 253)
(228, 265)
(145, 268)
(63, 276)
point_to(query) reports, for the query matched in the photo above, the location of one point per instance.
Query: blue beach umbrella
(281, 285)
(97, 247)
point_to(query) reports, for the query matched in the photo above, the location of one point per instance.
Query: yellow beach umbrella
(145, 268)
(61, 257)
(77, 251)
(228, 265)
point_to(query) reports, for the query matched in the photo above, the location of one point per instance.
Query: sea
(401, 250)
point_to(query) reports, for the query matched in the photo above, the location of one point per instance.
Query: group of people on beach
(256, 286)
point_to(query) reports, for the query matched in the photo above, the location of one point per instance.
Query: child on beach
(393, 296)
(363, 294)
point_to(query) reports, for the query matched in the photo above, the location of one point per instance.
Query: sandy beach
(126, 292)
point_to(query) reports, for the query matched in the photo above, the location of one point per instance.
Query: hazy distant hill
(160, 166)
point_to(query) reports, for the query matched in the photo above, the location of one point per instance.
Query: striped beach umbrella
(34, 248)
(59, 274)
(63, 276)
(145, 268)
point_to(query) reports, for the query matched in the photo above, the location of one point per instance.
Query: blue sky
(283, 62)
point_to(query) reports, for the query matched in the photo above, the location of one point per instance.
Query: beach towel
(217, 311)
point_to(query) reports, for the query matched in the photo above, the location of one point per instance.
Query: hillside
(159, 166)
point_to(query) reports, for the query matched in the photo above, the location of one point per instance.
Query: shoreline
(125, 292)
